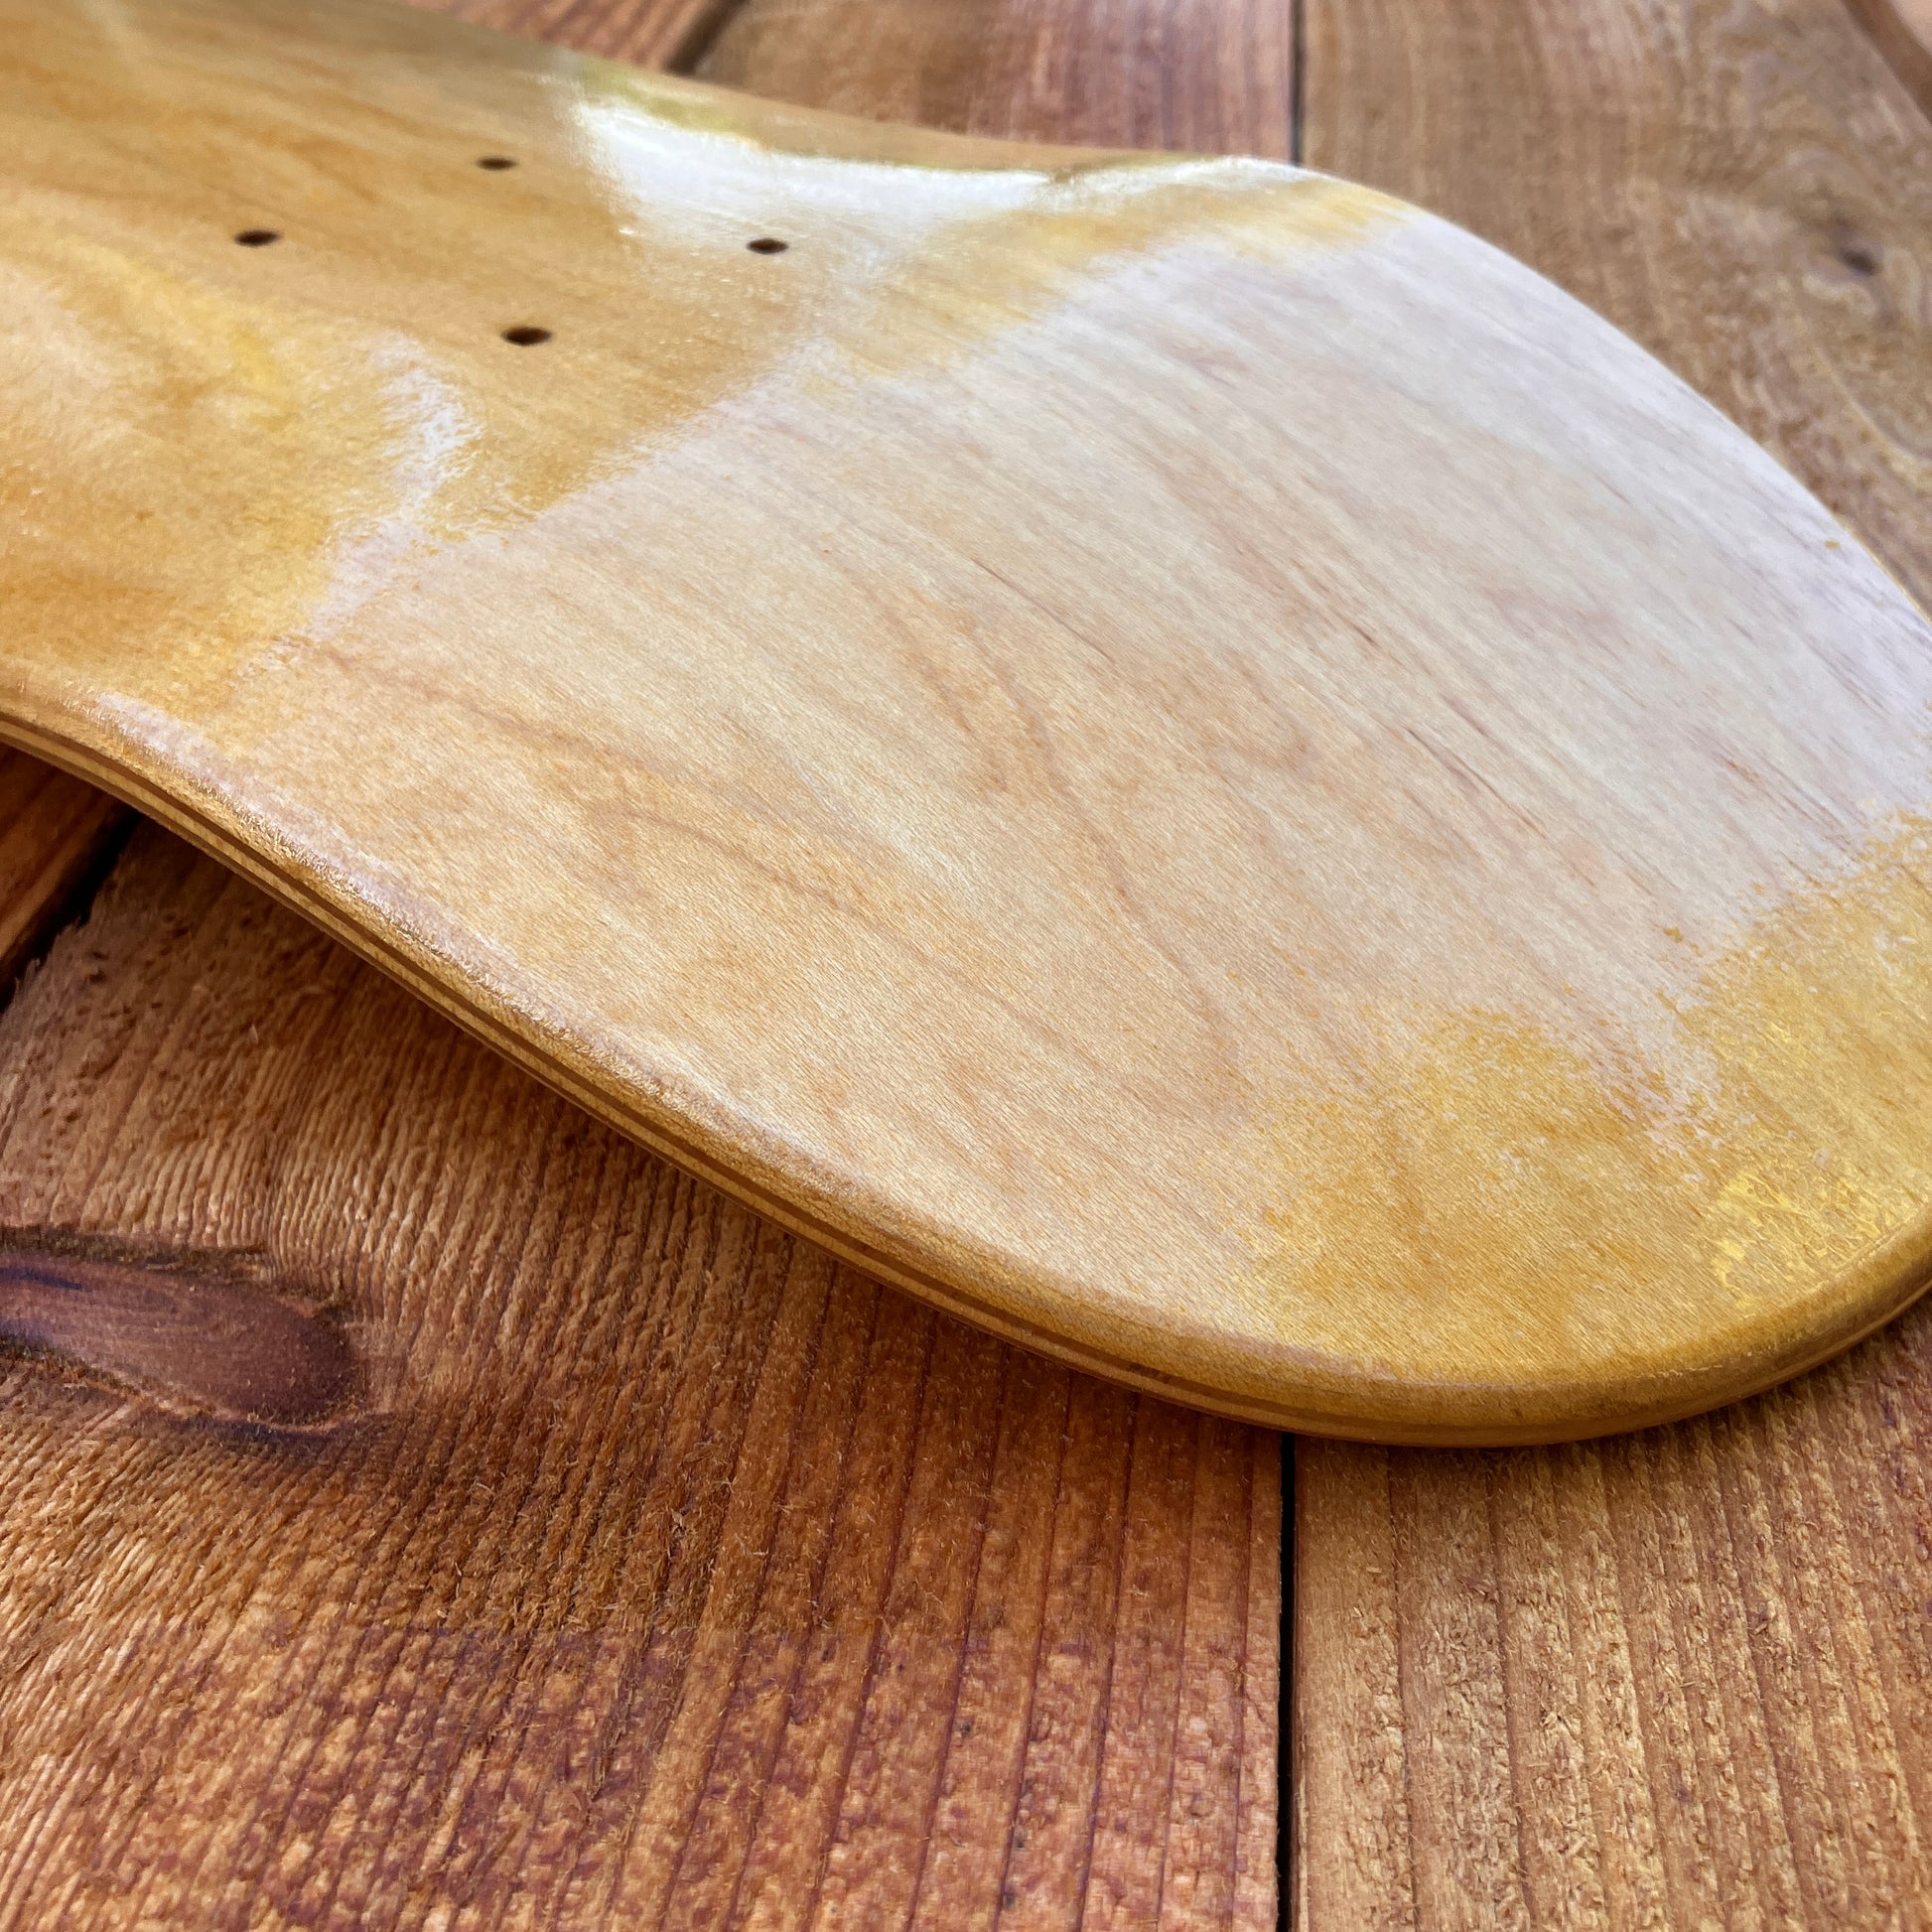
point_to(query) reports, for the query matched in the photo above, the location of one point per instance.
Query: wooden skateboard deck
(1173, 754)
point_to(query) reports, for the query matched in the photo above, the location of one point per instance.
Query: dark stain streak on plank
(206, 1334)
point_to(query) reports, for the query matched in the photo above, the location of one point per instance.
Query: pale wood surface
(1749, 196)
(1684, 1678)
(1172, 756)
(643, 1508)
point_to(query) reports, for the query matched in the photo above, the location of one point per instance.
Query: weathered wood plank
(1685, 1677)
(1678, 1678)
(1903, 32)
(646, 32)
(657, 1569)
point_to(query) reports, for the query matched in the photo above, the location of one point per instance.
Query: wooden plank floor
(650, 1569)
(1683, 1678)
(444, 1661)
(618, 1560)
(1147, 73)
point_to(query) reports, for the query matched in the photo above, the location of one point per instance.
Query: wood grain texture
(1748, 195)
(647, 33)
(54, 831)
(1171, 754)
(1679, 1679)
(1683, 1678)
(201, 1334)
(663, 1570)
(1129, 74)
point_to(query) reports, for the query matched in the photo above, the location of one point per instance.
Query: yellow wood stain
(1490, 1204)
(981, 277)
(320, 412)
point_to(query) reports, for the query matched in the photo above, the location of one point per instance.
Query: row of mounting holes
(525, 335)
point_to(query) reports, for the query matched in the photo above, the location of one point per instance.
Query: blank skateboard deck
(1173, 754)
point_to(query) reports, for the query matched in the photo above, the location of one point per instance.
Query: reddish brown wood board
(649, 1567)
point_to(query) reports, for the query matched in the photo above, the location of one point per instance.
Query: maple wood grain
(657, 1569)
(1685, 1677)
(1748, 195)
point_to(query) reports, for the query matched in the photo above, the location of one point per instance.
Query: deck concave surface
(1174, 754)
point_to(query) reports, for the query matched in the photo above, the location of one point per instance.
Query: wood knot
(195, 1332)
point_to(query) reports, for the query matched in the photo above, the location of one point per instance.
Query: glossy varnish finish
(1171, 754)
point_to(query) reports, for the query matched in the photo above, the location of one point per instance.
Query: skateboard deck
(1173, 754)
